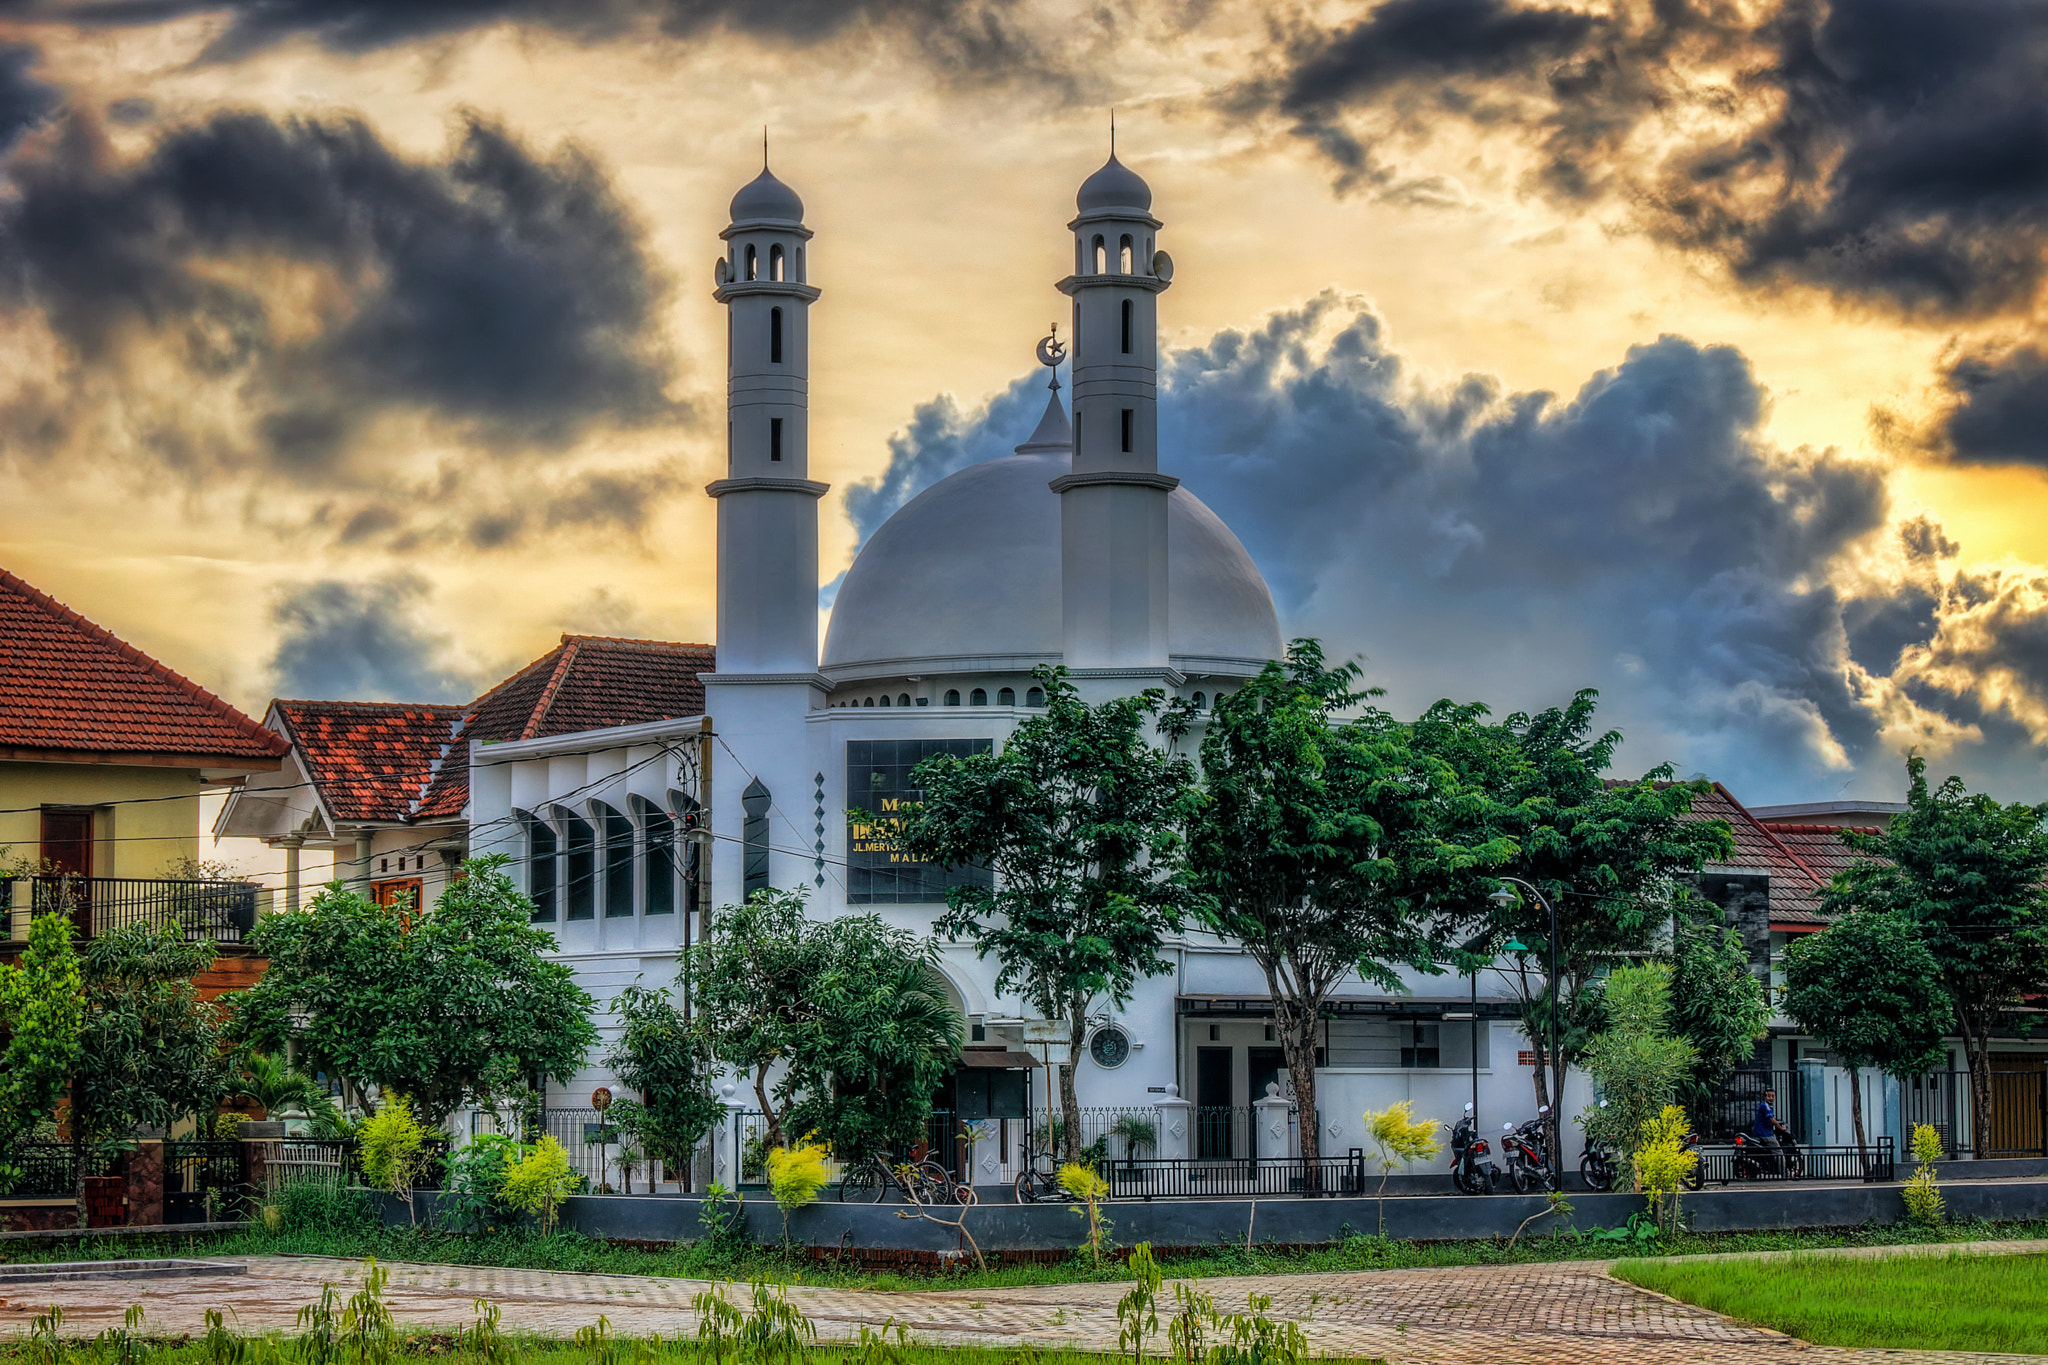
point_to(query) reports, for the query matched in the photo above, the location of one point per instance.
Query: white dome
(969, 571)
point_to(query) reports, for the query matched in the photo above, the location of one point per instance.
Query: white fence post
(1270, 1123)
(1176, 1125)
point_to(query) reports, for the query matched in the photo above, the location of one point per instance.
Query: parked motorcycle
(1697, 1176)
(1470, 1172)
(1755, 1159)
(1598, 1166)
(1526, 1151)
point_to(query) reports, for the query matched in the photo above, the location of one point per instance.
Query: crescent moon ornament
(1051, 350)
(1162, 267)
(724, 271)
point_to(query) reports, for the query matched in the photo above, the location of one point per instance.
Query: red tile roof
(406, 764)
(1801, 859)
(69, 687)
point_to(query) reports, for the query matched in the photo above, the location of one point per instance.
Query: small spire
(764, 146)
(1112, 132)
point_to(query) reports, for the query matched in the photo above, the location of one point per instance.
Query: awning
(996, 1058)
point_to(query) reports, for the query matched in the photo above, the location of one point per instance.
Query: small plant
(539, 1181)
(1555, 1205)
(1136, 1132)
(1640, 1230)
(1083, 1183)
(1924, 1204)
(45, 1346)
(626, 1162)
(776, 1332)
(1256, 1339)
(394, 1149)
(320, 1329)
(795, 1175)
(219, 1346)
(1397, 1135)
(485, 1342)
(1137, 1313)
(476, 1183)
(1662, 1162)
(1188, 1330)
(889, 1346)
(718, 1323)
(366, 1325)
(123, 1345)
(723, 1216)
(598, 1343)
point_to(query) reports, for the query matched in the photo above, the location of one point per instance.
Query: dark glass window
(952, 696)
(903, 700)
(775, 438)
(618, 866)
(661, 863)
(878, 779)
(1127, 326)
(978, 697)
(581, 892)
(1200, 701)
(1035, 697)
(1126, 431)
(540, 869)
(1007, 697)
(775, 336)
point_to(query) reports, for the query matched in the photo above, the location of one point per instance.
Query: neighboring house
(104, 753)
(384, 786)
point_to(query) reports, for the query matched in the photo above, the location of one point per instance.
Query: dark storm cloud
(24, 100)
(1640, 535)
(1994, 409)
(368, 641)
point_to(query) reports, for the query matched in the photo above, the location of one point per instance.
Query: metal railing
(207, 911)
(206, 1180)
(49, 1170)
(1194, 1178)
(1874, 1164)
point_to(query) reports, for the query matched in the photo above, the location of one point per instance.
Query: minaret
(1113, 504)
(767, 681)
(767, 506)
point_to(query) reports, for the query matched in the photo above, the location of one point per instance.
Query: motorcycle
(1468, 1175)
(1597, 1166)
(1697, 1176)
(1754, 1159)
(1525, 1150)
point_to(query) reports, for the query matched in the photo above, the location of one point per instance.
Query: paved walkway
(1562, 1313)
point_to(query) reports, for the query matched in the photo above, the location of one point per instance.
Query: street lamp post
(1504, 898)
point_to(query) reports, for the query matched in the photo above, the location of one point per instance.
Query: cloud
(292, 298)
(24, 100)
(363, 641)
(939, 440)
(1746, 610)
(1993, 408)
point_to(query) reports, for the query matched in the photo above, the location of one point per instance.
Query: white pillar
(725, 1140)
(1176, 1125)
(1270, 1124)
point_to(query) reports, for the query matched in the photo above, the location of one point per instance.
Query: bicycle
(1033, 1185)
(919, 1182)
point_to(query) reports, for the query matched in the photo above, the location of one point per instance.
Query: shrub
(1397, 1135)
(539, 1181)
(321, 1206)
(795, 1175)
(476, 1183)
(1083, 1183)
(1662, 1161)
(394, 1149)
(1924, 1204)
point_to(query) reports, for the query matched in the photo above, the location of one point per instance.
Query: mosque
(1076, 550)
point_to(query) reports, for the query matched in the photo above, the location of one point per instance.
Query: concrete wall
(157, 827)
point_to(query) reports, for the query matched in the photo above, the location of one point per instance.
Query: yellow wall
(134, 835)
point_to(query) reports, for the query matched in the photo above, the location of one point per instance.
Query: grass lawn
(1910, 1303)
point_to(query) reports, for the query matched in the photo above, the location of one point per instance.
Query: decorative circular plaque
(1111, 1047)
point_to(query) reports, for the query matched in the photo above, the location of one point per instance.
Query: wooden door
(2019, 1108)
(67, 852)
(1214, 1095)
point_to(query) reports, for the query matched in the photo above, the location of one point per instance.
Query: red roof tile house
(384, 786)
(104, 753)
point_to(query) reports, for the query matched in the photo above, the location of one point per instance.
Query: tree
(1325, 848)
(1967, 873)
(445, 1005)
(42, 1010)
(1079, 818)
(852, 1011)
(1717, 1003)
(1608, 854)
(150, 1051)
(668, 1061)
(1869, 989)
(1636, 1059)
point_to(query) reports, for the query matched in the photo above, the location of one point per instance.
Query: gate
(205, 1181)
(2019, 1106)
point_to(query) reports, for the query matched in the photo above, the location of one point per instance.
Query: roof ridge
(208, 701)
(568, 639)
(547, 697)
(413, 803)
(1797, 861)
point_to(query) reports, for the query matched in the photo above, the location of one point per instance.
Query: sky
(1688, 350)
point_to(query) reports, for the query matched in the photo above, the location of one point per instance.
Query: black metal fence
(49, 1170)
(207, 911)
(1195, 1178)
(1764, 1162)
(1731, 1108)
(206, 1180)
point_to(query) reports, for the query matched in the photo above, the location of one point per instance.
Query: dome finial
(1051, 352)
(764, 146)
(1112, 132)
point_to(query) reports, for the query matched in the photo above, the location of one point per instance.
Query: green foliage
(485, 1342)
(1137, 1312)
(1189, 1329)
(324, 1208)
(1717, 1003)
(795, 1175)
(1867, 987)
(218, 1345)
(1137, 1133)
(718, 1323)
(275, 1083)
(1635, 1059)
(600, 1347)
(1971, 877)
(394, 1148)
(1328, 848)
(723, 1218)
(476, 1183)
(852, 1012)
(1398, 1137)
(1662, 1162)
(42, 1014)
(776, 1332)
(1254, 1338)
(539, 1181)
(1078, 818)
(1085, 1184)
(448, 1005)
(1922, 1195)
(367, 1334)
(660, 1055)
(1607, 856)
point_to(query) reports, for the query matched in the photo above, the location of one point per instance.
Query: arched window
(775, 334)
(580, 895)
(952, 696)
(800, 276)
(1200, 701)
(885, 699)
(978, 697)
(1124, 254)
(775, 261)
(1128, 309)
(659, 867)
(753, 262)
(542, 876)
(1035, 697)
(755, 803)
(1007, 697)
(1101, 257)
(903, 700)
(869, 702)
(619, 873)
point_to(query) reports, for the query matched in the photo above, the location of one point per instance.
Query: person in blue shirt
(1765, 1128)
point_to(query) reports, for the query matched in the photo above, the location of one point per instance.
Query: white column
(1176, 1125)
(1270, 1124)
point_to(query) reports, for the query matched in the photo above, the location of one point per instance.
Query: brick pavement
(1562, 1313)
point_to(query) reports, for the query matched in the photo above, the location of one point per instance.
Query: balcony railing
(207, 911)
